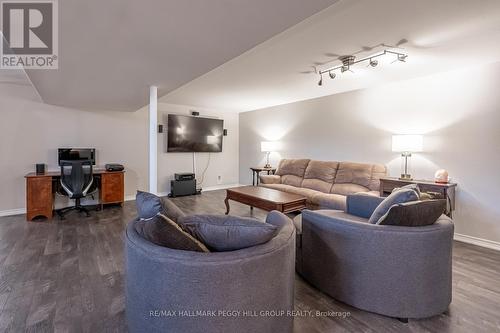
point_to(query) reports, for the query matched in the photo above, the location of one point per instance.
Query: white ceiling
(438, 36)
(111, 51)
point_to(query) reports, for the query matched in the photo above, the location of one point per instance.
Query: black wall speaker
(225, 132)
(40, 168)
(160, 128)
(195, 113)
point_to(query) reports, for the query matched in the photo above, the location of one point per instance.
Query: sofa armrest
(361, 204)
(270, 179)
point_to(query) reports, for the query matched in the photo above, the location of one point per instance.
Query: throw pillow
(409, 186)
(148, 205)
(426, 196)
(396, 197)
(228, 233)
(162, 231)
(171, 210)
(414, 214)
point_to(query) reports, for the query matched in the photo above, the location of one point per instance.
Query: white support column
(153, 139)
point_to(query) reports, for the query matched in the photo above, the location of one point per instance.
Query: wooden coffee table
(265, 198)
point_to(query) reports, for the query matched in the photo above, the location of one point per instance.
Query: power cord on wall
(201, 181)
(205, 170)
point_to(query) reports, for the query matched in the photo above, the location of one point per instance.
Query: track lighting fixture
(400, 58)
(350, 60)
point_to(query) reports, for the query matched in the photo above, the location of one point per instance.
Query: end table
(257, 170)
(442, 191)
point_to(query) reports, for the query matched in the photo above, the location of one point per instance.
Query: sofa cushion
(397, 197)
(415, 213)
(228, 233)
(362, 204)
(279, 187)
(171, 210)
(352, 173)
(296, 167)
(292, 189)
(291, 180)
(414, 187)
(378, 171)
(162, 231)
(270, 179)
(329, 201)
(339, 214)
(148, 205)
(319, 175)
(348, 188)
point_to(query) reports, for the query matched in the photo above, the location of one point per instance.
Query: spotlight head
(373, 62)
(320, 82)
(344, 69)
(332, 75)
(402, 57)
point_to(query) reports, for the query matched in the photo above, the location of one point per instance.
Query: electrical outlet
(219, 180)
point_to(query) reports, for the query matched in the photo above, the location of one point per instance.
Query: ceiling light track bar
(348, 61)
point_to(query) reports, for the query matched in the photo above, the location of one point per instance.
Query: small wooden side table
(442, 191)
(257, 170)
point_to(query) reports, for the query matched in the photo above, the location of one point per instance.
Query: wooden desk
(443, 191)
(257, 170)
(40, 189)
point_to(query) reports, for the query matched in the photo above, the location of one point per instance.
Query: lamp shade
(407, 143)
(269, 146)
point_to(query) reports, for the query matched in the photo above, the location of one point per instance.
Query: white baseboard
(130, 198)
(10, 212)
(477, 241)
(220, 187)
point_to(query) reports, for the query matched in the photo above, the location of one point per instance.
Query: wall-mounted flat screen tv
(194, 134)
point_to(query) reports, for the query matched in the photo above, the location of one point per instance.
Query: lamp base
(267, 166)
(405, 176)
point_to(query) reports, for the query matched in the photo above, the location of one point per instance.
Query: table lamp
(406, 144)
(268, 147)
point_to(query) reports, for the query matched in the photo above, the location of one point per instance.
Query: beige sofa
(325, 184)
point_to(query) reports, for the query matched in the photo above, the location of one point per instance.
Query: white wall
(31, 132)
(458, 113)
(224, 164)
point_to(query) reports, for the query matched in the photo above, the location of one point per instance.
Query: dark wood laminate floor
(67, 276)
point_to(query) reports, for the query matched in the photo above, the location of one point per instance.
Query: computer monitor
(76, 154)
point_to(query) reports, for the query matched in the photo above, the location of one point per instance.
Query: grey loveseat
(325, 184)
(171, 290)
(402, 272)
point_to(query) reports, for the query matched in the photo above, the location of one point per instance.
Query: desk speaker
(40, 168)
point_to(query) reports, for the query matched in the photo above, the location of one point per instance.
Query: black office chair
(76, 181)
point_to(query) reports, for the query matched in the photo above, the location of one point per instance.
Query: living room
(331, 168)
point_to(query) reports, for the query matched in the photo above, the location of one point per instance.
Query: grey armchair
(401, 272)
(260, 278)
